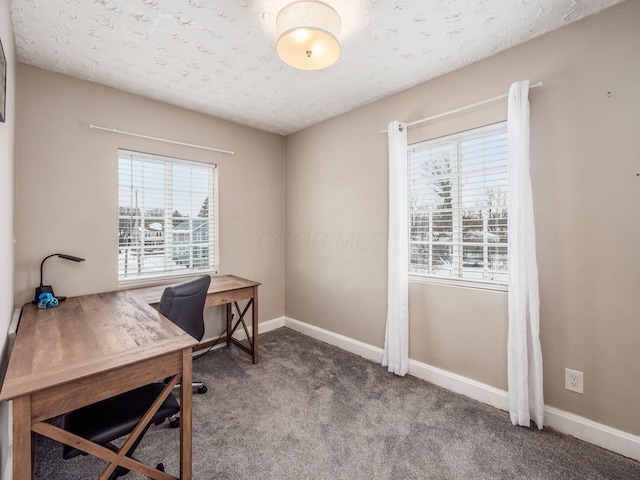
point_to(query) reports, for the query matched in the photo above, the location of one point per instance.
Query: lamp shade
(308, 35)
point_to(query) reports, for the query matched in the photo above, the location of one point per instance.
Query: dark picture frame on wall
(3, 84)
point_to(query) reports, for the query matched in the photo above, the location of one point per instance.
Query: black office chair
(107, 420)
(183, 304)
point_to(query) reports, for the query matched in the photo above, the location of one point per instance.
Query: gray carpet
(309, 410)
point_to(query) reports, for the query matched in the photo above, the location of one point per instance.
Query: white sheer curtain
(526, 401)
(396, 343)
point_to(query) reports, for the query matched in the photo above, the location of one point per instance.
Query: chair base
(200, 387)
(174, 421)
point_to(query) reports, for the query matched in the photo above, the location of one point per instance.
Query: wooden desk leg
(254, 322)
(186, 426)
(229, 314)
(22, 440)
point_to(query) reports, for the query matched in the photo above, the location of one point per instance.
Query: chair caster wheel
(160, 467)
(202, 389)
(174, 423)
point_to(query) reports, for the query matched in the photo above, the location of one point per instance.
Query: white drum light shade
(308, 35)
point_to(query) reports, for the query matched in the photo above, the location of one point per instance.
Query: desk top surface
(219, 284)
(84, 336)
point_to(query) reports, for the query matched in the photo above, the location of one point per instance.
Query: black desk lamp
(48, 288)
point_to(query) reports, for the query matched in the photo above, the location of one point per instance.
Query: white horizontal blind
(458, 206)
(167, 217)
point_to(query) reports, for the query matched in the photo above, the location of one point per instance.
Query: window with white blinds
(167, 217)
(457, 202)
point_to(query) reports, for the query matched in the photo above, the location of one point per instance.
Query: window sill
(456, 282)
(166, 280)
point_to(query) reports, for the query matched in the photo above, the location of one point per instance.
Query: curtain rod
(456, 110)
(121, 132)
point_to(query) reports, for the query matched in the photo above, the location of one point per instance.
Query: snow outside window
(167, 217)
(457, 207)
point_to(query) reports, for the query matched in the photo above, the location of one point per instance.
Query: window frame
(213, 257)
(457, 226)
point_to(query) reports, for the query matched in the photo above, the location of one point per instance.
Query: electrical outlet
(573, 380)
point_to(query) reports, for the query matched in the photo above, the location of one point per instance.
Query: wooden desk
(85, 350)
(224, 290)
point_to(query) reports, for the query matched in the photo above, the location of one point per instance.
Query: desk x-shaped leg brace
(252, 349)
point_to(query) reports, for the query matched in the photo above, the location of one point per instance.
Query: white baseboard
(8, 468)
(350, 345)
(457, 383)
(596, 433)
(263, 327)
(7, 453)
(7, 473)
(624, 443)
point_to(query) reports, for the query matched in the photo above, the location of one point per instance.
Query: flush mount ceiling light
(308, 35)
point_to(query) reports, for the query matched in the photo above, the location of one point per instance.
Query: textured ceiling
(218, 56)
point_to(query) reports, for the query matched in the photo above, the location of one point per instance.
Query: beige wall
(586, 193)
(66, 184)
(7, 190)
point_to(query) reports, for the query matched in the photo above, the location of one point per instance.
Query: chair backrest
(183, 304)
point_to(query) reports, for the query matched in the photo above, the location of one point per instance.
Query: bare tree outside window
(458, 206)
